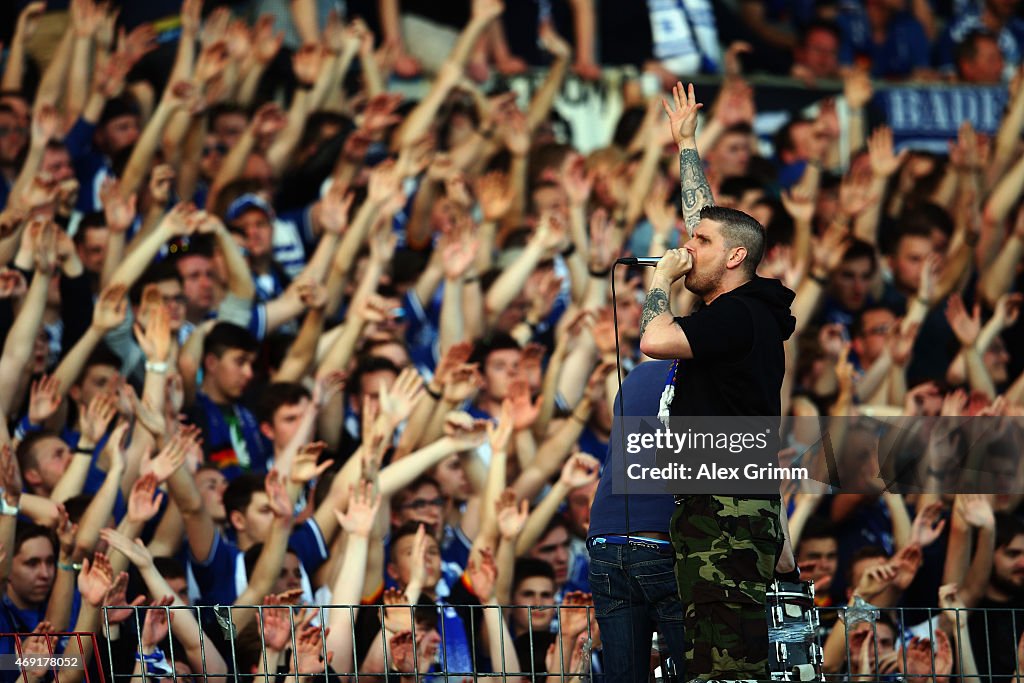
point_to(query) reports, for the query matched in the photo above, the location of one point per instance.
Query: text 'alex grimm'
(714, 472)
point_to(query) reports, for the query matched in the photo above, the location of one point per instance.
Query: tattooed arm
(683, 119)
(660, 336)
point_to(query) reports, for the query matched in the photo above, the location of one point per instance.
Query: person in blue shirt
(231, 436)
(33, 571)
(997, 18)
(94, 145)
(884, 38)
(498, 360)
(632, 581)
(220, 573)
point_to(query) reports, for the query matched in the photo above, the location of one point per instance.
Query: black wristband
(569, 250)
(431, 393)
(599, 273)
(820, 280)
(471, 280)
(303, 86)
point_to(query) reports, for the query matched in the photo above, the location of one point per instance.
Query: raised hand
(464, 382)
(398, 617)
(500, 433)
(28, 20)
(398, 402)
(135, 550)
(66, 534)
(928, 525)
(266, 42)
(117, 596)
(119, 211)
(576, 182)
(875, 580)
(482, 572)
(268, 121)
(574, 615)
(39, 645)
(156, 625)
(334, 209)
(884, 160)
(524, 411)
(511, 517)
(309, 649)
(965, 326)
(975, 509)
(683, 117)
(10, 475)
(274, 624)
(97, 415)
(907, 562)
(579, 470)
(306, 63)
(305, 468)
(949, 599)
(95, 579)
(111, 308)
(44, 399)
(277, 497)
(460, 251)
(144, 501)
(363, 504)
(12, 282)
(45, 124)
(169, 459)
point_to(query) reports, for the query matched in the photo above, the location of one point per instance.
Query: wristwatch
(158, 367)
(6, 508)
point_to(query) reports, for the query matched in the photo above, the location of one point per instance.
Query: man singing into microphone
(729, 360)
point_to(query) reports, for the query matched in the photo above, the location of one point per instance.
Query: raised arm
(683, 120)
(14, 69)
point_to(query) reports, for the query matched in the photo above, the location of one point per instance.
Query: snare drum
(794, 653)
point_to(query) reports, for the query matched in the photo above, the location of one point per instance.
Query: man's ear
(209, 362)
(266, 430)
(736, 258)
(237, 520)
(32, 477)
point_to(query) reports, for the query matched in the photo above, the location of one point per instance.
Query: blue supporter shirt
(220, 579)
(1010, 40)
(91, 165)
(905, 48)
(622, 513)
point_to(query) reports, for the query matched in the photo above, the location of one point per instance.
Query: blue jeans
(635, 594)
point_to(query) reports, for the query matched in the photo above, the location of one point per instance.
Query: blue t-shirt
(622, 513)
(905, 48)
(1010, 40)
(219, 577)
(455, 547)
(91, 165)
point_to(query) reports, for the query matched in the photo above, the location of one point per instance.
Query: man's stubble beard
(703, 283)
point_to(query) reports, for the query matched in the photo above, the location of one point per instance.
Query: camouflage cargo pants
(726, 549)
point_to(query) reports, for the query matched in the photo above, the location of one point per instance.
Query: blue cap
(247, 202)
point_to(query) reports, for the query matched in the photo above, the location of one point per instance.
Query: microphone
(651, 261)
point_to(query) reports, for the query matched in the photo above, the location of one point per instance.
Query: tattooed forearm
(655, 305)
(696, 191)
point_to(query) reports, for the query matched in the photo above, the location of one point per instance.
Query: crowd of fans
(356, 350)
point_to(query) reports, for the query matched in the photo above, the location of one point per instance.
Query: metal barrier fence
(280, 643)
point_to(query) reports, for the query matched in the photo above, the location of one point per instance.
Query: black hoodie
(738, 358)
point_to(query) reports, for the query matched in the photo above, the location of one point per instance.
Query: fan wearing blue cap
(251, 220)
